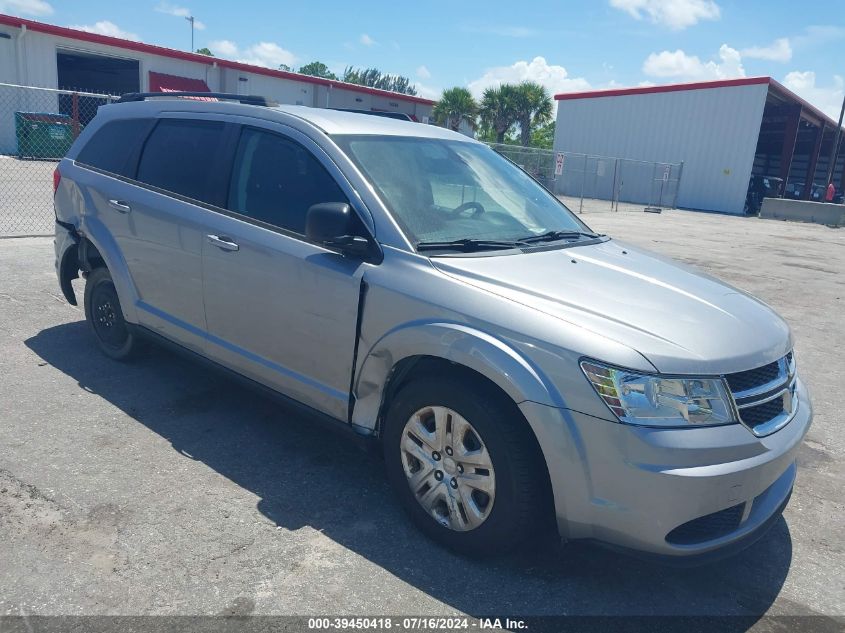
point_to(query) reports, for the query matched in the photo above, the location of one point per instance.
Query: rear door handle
(120, 206)
(222, 242)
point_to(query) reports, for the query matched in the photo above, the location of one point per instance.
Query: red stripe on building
(641, 90)
(96, 38)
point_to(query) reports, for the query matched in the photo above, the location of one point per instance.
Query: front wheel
(464, 465)
(105, 316)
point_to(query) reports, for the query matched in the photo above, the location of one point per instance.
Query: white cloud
(828, 99)
(179, 12)
(676, 14)
(555, 78)
(26, 7)
(678, 65)
(366, 40)
(223, 48)
(104, 27)
(423, 73)
(778, 51)
(428, 92)
(266, 54)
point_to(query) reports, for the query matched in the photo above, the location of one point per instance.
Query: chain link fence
(37, 127)
(586, 176)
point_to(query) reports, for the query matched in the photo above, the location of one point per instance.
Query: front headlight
(650, 400)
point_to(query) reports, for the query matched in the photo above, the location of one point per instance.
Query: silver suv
(410, 284)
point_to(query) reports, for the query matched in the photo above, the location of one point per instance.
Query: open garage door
(88, 72)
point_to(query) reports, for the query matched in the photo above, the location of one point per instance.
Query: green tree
(533, 109)
(456, 105)
(498, 110)
(486, 134)
(317, 69)
(374, 78)
(284, 67)
(205, 51)
(544, 136)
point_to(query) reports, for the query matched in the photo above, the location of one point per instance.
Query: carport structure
(795, 143)
(722, 131)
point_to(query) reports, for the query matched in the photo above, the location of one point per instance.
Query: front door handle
(120, 206)
(222, 242)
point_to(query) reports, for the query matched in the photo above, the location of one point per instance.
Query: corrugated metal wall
(713, 131)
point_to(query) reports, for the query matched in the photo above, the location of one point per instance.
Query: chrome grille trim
(766, 397)
(785, 371)
(783, 386)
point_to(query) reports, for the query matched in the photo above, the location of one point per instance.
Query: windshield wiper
(468, 245)
(552, 236)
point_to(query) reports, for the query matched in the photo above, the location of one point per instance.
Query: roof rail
(401, 116)
(223, 96)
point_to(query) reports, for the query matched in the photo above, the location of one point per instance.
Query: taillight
(57, 178)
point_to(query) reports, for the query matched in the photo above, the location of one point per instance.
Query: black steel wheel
(105, 316)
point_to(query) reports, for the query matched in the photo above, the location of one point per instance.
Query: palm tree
(456, 106)
(533, 108)
(498, 109)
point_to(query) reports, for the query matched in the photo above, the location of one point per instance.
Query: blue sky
(566, 45)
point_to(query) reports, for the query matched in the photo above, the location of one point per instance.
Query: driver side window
(276, 181)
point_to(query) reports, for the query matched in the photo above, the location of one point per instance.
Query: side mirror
(331, 224)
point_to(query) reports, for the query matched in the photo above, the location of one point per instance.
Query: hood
(681, 320)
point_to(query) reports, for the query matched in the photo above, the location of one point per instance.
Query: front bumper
(640, 488)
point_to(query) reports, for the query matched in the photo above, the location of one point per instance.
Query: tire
(468, 524)
(105, 317)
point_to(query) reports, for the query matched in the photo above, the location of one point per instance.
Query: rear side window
(180, 156)
(113, 148)
(276, 181)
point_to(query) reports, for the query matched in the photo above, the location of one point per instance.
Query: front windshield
(442, 190)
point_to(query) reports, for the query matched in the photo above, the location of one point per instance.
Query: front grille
(708, 527)
(761, 413)
(752, 378)
(773, 383)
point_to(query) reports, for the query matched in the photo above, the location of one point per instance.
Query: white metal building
(722, 131)
(47, 56)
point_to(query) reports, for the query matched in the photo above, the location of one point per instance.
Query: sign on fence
(666, 171)
(558, 163)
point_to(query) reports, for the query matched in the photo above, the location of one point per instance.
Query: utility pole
(834, 150)
(190, 19)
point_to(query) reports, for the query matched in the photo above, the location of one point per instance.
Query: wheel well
(89, 257)
(415, 367)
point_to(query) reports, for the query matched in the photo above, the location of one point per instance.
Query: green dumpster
(43, 134)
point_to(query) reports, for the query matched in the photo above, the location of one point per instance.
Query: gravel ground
(159, 487)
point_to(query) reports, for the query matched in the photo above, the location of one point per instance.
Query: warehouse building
(47, 56)
(722, 131)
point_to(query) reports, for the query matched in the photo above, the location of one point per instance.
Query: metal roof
(776, 89)
(84, 36)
